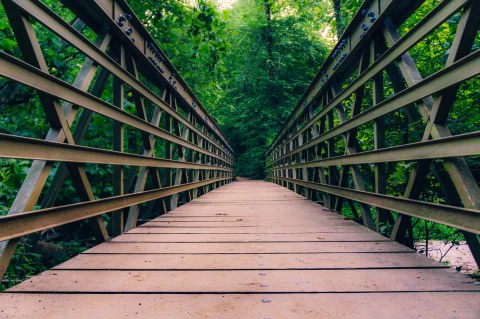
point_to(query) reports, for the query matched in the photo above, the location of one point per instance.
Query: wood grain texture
(248, 249)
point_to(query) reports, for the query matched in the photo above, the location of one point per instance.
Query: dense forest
(248, 62)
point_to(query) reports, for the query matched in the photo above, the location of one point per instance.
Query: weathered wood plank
(307, 306)
(248, 261)
(247, 281)
(251, 223)
(247, 248)
(246, 230)
(309, 237)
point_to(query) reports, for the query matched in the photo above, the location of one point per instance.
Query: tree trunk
(338, 17)
(269, 39)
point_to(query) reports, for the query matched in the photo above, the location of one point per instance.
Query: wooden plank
(302, 220)
(245, 238)
(256, 212)
(437, 305)
(260, 210)
(277, 223)
(247, 230)
(251, 261)
(246, 248)
(263, 210)
(251, 281)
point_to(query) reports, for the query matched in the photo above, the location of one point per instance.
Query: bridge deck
(249, 249)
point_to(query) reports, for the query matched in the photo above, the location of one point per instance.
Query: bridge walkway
(248, 249)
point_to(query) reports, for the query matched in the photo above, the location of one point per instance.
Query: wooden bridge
(179, 238)
(248, 249)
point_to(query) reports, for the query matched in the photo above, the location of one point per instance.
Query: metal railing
(377, 105)
(163, 147)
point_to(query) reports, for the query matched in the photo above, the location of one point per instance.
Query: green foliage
(268, 66)
(348, 9)
(192, 35)
(248, 71)
(24, 264)
(435, 231)
(27, 262)
(12, 174)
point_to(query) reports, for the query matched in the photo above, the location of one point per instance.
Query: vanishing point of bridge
(179, 238)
